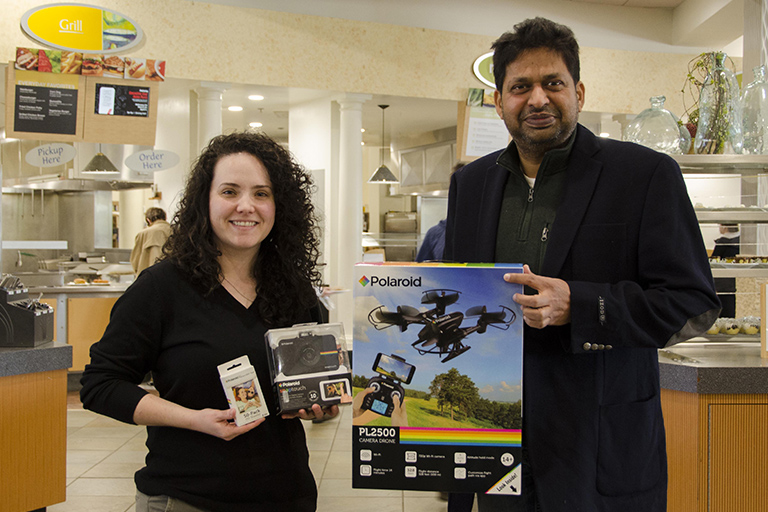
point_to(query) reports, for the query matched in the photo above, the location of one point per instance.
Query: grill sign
(81, 28)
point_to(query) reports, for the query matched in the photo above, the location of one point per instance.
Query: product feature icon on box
(438, 381)
(310, 365)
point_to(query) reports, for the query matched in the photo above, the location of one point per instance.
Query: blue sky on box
(494, 363)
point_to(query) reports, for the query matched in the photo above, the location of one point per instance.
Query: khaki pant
(146, 503)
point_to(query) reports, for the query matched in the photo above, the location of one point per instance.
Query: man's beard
(527, 140)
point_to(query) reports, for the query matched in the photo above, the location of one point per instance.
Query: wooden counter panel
(717, 451)
(681, 409)
(33, 440)
(738, 457)
(86, 320)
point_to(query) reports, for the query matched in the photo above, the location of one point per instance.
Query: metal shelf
(723, 164)
(732, 215)
(740, 272)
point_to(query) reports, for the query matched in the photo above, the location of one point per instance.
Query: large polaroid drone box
(438, 373)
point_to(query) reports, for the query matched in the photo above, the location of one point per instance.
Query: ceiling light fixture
(235, 108)
(100, 164)
(383, 175)
(256, 97)
(255, 124)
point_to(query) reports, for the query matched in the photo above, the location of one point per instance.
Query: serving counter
(715, 402)
(33, 426)
(81, 315)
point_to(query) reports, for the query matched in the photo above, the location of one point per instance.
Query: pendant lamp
(383, 175)
(100, 164)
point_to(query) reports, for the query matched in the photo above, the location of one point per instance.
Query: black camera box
(309, 365)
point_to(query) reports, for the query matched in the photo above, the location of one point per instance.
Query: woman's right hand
(217, 423)
(155, 411)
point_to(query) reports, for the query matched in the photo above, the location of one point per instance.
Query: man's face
(539, 102)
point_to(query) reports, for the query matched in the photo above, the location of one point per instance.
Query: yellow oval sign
(81, 28)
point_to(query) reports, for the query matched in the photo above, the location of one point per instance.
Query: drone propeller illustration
(442, 333)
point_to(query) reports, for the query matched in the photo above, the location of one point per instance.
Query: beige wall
(220, 43)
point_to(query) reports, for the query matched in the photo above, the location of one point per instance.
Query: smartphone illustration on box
(394, 368)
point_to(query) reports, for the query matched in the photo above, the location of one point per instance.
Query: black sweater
(165, 325)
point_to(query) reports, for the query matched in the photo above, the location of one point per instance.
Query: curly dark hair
(531, 34)
(285, 269)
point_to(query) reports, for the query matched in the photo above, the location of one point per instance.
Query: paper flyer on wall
(437, 378)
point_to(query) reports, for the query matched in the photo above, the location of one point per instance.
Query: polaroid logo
(406, 282)
(287, 384)
(364, 281)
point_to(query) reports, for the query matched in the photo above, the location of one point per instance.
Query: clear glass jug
(657, 128)
(755, 114)
(719, 129)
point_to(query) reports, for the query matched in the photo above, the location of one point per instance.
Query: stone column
(209, 111)
(349, 207)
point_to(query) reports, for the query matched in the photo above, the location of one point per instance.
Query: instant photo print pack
(438, 357)
(309, 365)
(238, 378)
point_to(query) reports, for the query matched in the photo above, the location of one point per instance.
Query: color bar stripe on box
(460, 436)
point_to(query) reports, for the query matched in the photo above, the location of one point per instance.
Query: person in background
(148, 245)
(241, 259)
(433, 245)
(727, 246)
(614, 269)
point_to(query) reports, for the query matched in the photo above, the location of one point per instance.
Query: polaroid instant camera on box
(243, 391)
(309, 365)
(439, 364)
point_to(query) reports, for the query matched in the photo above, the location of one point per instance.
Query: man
(433, 244)
(615, 269)
(148, 246)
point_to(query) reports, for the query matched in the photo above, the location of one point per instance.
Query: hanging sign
(152, 160)
(483, 69)
(80, 27)
(50, 155)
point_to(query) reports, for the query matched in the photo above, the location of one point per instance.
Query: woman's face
(241, 204)
(242, 395)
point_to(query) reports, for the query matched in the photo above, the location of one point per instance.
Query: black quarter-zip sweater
(527, 213)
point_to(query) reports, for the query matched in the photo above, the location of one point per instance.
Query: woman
(240, 260)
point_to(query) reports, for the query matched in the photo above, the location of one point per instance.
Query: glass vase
(755, 114)
(719, 129)
(657, 128)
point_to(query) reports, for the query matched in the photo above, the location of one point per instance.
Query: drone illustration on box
(442, 333)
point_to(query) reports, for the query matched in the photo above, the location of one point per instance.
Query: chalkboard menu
(45, 103)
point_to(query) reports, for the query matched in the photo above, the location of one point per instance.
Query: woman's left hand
(315, 413)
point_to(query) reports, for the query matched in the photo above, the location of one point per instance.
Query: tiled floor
(103, 454)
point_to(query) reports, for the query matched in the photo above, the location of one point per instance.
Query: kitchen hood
(55, 183)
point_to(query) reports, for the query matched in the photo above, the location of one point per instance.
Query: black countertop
(714, 368)
(46, 357)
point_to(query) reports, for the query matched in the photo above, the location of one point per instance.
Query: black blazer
(627, 242)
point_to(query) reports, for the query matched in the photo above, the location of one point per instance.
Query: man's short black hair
(531, 34)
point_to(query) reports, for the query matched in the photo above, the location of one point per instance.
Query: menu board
(121, 100)
(480, 131)
(45, 103)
